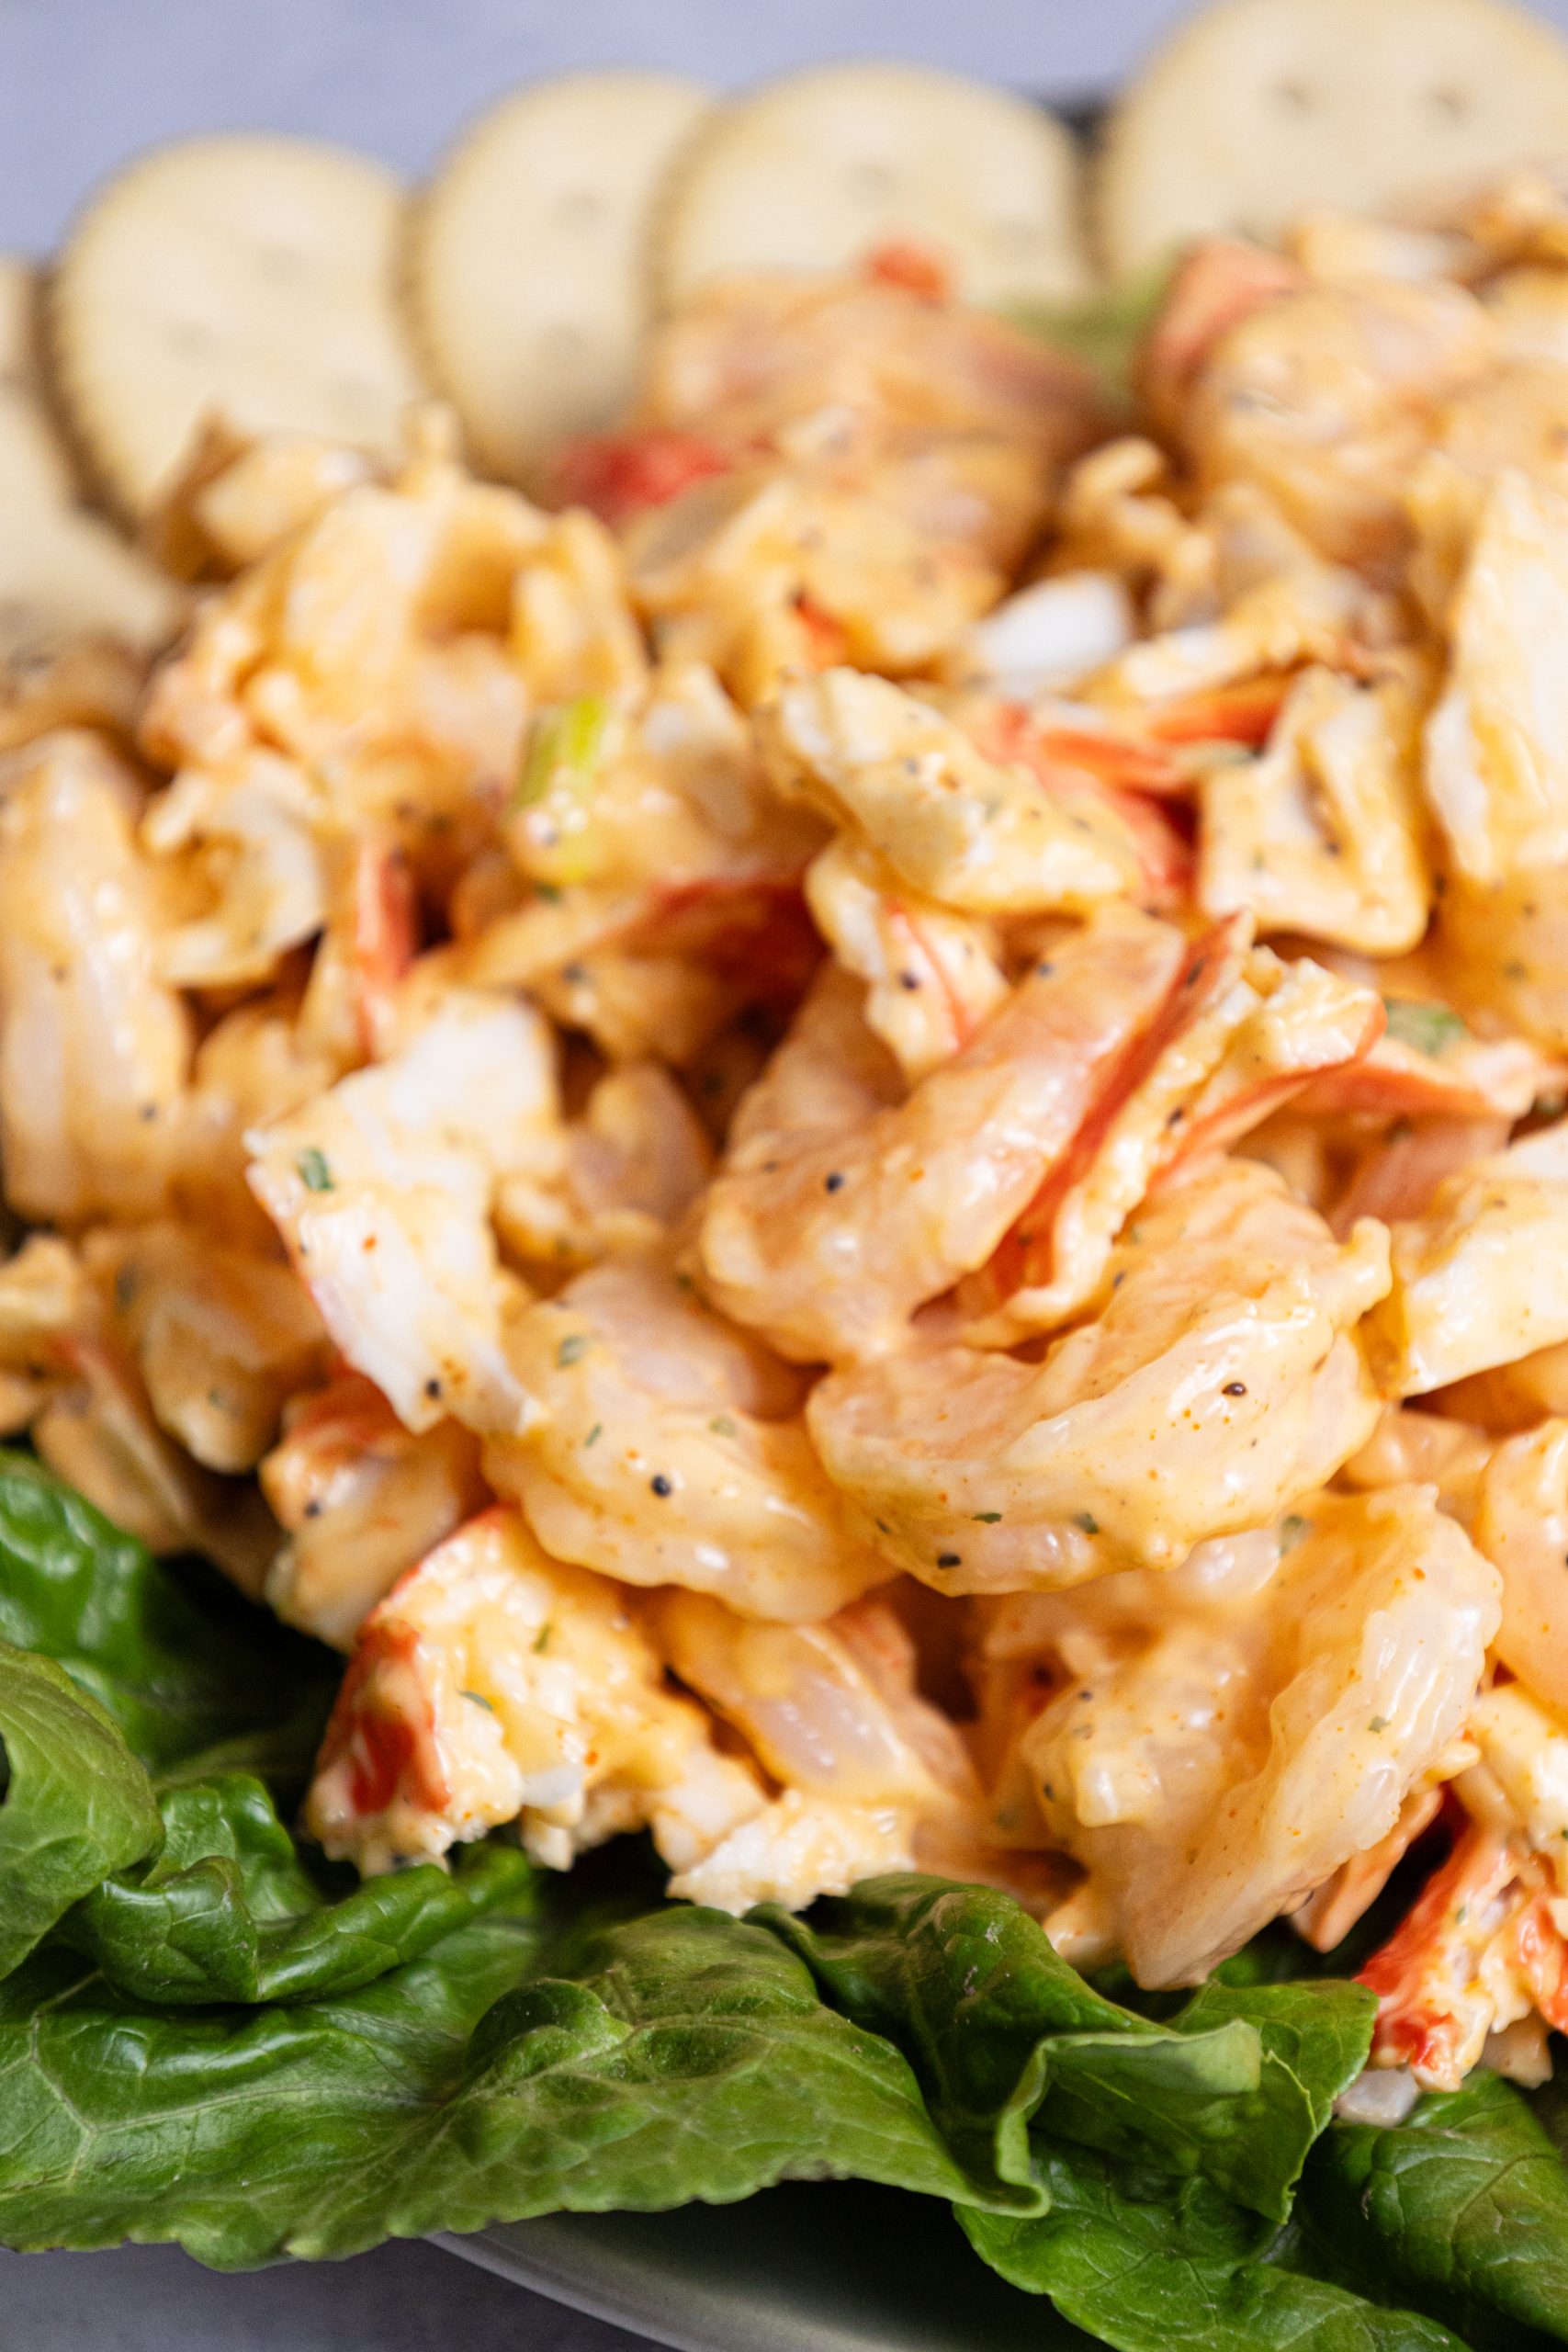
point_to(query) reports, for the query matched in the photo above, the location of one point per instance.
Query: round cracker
(1258, 110)
(34, 467)
(65, 575)
(19, 322)
(818, 170)
(526, 268)
(248, 278)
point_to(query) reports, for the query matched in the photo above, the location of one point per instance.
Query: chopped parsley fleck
(1087, 1521)
(594, 1434)
(1291, 1531)
(1428, 1029)
(987, 1517)
(573, 1347)
(1378, 1723)
(314, 1173)
(722, 1426)
(480, 1702)
(542, 1639)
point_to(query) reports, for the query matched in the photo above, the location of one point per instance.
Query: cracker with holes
(66, 574)
(824, 168)
(247, 278)
(1260, 109)
(526, 278)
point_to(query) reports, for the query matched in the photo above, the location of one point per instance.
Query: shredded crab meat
(979, 836)
(494, 1684)
(382, 1188)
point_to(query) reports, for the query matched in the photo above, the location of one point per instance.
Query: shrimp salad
(842, 1165)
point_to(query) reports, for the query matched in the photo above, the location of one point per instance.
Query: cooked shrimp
(873, 1776)
(753, 354)
(666, 1447)
(1420, 1449)
(1325, 398)
(1223, 1767)
(840, 1210)
(492, 1684)
(1513, 1397)
(94, 1045)
(1509, 419)
(1217, 283)
(382, 1189)
(831, 1709)
(361, 1499)
(1220, 1381)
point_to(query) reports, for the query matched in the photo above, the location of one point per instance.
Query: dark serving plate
(838, 2266)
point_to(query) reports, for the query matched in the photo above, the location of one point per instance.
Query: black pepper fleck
(660, 1485)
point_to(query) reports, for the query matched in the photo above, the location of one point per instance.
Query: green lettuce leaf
(226, 1911)
(685, 2056)
(1004, 2036)
(77, 1804)
(192, 1688)
(1148, 2263)
(1314, 2039)
(1464, 2205)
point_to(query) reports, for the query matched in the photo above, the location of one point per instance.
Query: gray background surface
(84, 82)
